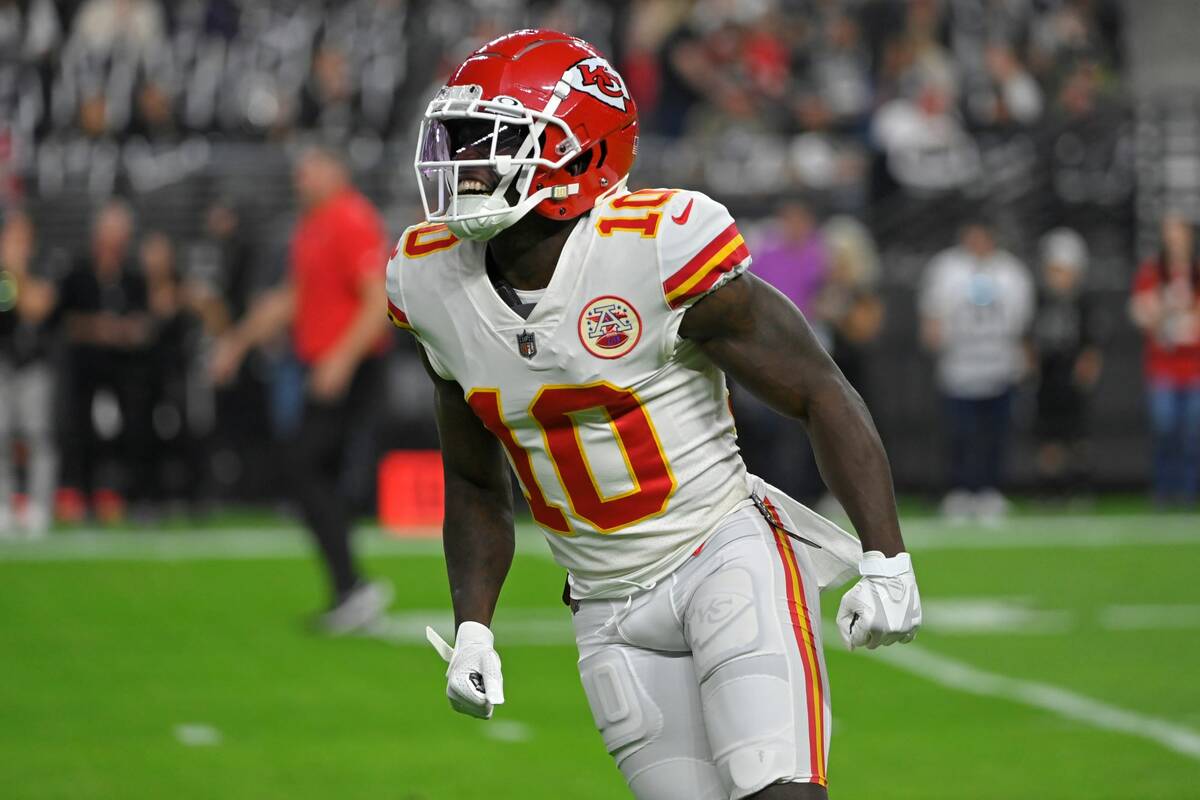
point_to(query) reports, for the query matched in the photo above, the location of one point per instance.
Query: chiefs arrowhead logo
(596, 77)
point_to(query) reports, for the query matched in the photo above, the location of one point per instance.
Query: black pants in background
(316, 461)
(978, 429)
(89, 459)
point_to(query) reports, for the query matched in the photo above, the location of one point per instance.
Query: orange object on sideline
(411, 492)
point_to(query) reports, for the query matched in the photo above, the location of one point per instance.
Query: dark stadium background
(239, 86)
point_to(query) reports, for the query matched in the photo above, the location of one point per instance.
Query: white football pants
(712, 683)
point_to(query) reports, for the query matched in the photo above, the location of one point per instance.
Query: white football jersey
(619, 430)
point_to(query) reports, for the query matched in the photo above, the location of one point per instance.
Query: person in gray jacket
(976, 305)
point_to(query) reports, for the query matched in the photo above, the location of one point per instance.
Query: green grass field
(1060, 660)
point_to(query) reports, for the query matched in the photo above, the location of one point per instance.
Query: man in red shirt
(331, 300)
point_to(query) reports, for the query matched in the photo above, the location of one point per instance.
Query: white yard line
(1053, 699)
(993, 616)
(1147, 618)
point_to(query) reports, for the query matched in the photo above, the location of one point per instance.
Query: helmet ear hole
(580, 164)
(603, 153)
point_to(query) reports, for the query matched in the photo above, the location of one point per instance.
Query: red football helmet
(534, 120)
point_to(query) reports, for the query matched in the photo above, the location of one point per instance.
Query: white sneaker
(991, 507)
(958, 507)
(360, 609)
(35, 522)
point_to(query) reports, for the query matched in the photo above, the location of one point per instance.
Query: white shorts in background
(712, 683)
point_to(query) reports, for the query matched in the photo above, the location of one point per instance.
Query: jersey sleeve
(395, 295)
(398, 303)
(700, 249)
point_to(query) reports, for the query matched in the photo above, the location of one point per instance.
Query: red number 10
(554, 409)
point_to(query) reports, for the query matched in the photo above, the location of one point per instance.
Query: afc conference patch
(609, 327)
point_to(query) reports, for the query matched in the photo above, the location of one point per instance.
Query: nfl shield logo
(526, 344)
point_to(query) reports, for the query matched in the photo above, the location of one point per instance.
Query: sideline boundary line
(1061, 702)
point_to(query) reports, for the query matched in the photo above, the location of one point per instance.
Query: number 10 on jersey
(554, 409)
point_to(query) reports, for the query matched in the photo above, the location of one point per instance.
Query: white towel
(836, 562)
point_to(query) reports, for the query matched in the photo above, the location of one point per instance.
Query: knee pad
(626, 716)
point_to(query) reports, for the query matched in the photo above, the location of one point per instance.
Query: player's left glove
(884, 607)
(473, 680)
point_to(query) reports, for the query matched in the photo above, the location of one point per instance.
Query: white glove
(884, 607)
(473, 680)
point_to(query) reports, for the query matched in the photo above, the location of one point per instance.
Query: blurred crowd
(869, 127)
(893, 92)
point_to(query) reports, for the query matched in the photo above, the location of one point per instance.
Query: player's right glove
(884, 607)
(473, 680)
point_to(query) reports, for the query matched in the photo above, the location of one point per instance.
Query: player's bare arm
(478, 528)
(477, 537)
(761, 340)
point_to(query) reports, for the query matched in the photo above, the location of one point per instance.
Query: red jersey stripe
(802, 628)
(398, 317)
(700, 259)
(715, 273)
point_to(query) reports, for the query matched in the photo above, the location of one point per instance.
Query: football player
(582, 332)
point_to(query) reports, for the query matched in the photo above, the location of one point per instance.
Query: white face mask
(511, 150)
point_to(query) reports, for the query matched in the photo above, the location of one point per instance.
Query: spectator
(1010, 96)
(1166, 307)
(328, 101)
(171, 357)
(332, 301)
(976, 303)
(226, 273)
(925, 145)
(848, 304)
(1066, 345)
(134, 26)
(104, 307)
(792, 256)
(26, 380)
(839, 77)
